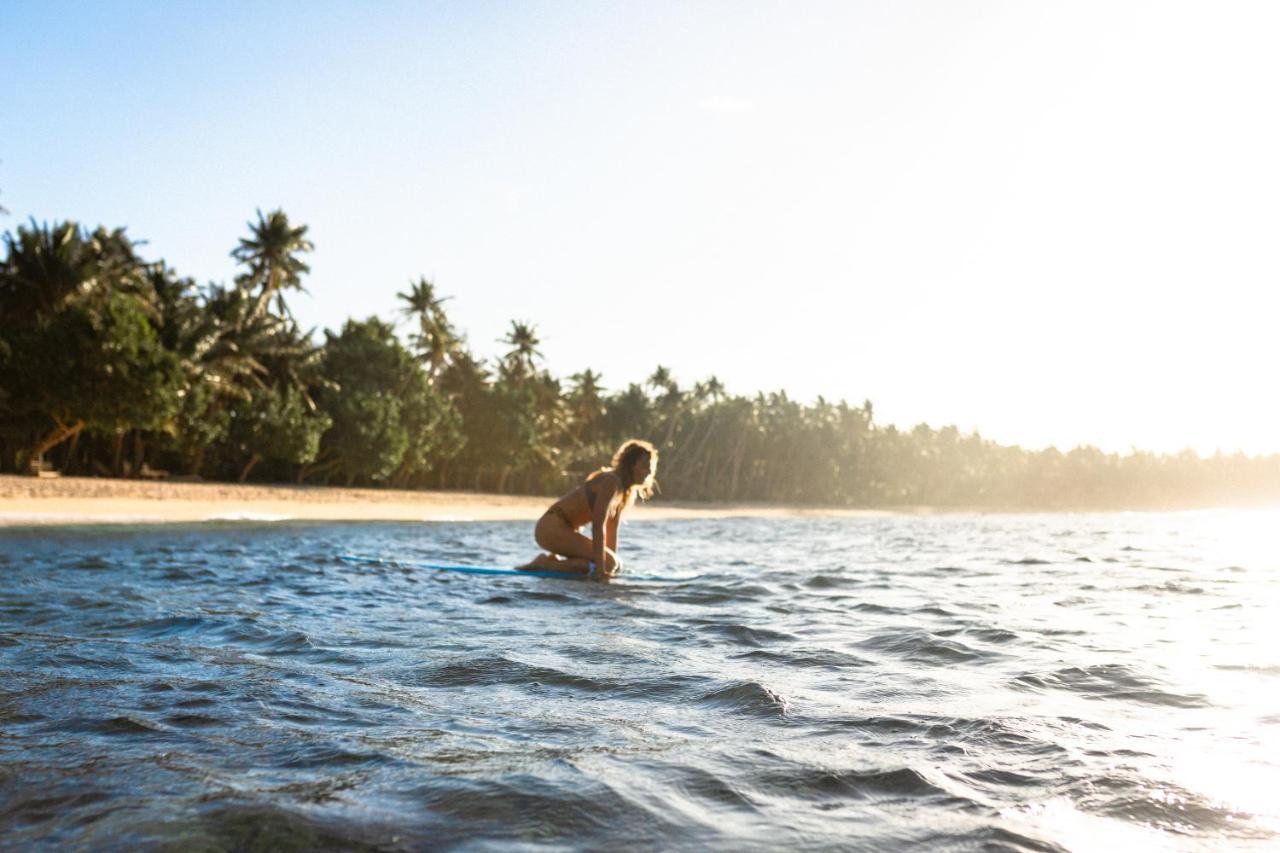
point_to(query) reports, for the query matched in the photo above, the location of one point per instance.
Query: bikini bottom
(562, 515)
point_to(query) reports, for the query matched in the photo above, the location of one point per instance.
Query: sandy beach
(90, 500)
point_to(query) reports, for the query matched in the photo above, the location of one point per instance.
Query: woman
(599, 501)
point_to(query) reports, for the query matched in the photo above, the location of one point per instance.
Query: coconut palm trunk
(60, 433)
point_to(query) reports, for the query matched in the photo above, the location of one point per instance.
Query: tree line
(114, 365)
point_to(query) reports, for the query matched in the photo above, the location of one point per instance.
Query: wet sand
(90, 500)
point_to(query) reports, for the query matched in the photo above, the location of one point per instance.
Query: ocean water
(966, 682)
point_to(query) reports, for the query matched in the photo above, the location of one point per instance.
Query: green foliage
(200, 422)
(387, 417)
(103, 354)
(433, 428)
(81, 349)
(276, 425)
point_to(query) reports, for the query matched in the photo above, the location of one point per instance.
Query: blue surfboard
(362, 559)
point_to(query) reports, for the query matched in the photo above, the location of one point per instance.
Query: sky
(1054, 223)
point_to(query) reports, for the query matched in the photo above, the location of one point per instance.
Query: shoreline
(63, 501)
(31, 501)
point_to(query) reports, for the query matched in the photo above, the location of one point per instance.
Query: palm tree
(435, 339)
(524, 343)
(422, 299)
(586, 405)
(48, 269)
(271, 254)
(661, 379)
(465, 377)
(587, 384)
(670, 404)
(699, 445)
(230, 353)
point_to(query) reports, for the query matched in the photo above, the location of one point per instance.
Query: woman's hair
(624, 462)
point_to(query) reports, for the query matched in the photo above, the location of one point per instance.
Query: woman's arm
(611, 536)
(602, 519)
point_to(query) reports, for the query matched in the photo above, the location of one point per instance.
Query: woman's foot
(551, 563)
(543, 562)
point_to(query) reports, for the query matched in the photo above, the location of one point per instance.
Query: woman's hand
(609, 566)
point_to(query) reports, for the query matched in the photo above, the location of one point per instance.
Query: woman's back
(579, 505)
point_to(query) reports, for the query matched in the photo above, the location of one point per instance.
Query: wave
(984, 838)
(998, 636)
(1109, 681)
(744, 635)
(900, 783)
(922, 647)
(1260, 669)
(1000, 777)
(191, 721)
(986, 732)
(748, 697)
(828, 659)
(120, 725)
(831, 582)
(164, 627)
(255, 825)
(708, 594)
(520, 807)
(487, 670)
(1169, 807)
(1169, 586)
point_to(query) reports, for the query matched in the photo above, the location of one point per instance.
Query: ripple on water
(192, 721)
(824, 581)
(499, 670)
(1108, 681)
(1167, 807)
(748, 697)
(997, 636)
(743, 635)
(815, 658)
(899, 784)
(1259, 669)
(922, 647)
(164, 627)
(530, 807)
(709, 787)
(121, 725)
(714, 595)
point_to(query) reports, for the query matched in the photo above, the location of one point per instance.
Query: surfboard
(364, 559)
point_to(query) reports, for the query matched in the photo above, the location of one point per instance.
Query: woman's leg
(552, 563)
(570, 551)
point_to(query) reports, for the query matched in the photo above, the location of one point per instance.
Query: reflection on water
(1034, 682)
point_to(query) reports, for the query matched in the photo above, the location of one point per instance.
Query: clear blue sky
(1052, 222)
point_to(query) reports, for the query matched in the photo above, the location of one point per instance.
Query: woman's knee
(566, 543)
(542, 536)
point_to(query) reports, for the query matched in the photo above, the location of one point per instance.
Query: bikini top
(590, 495)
